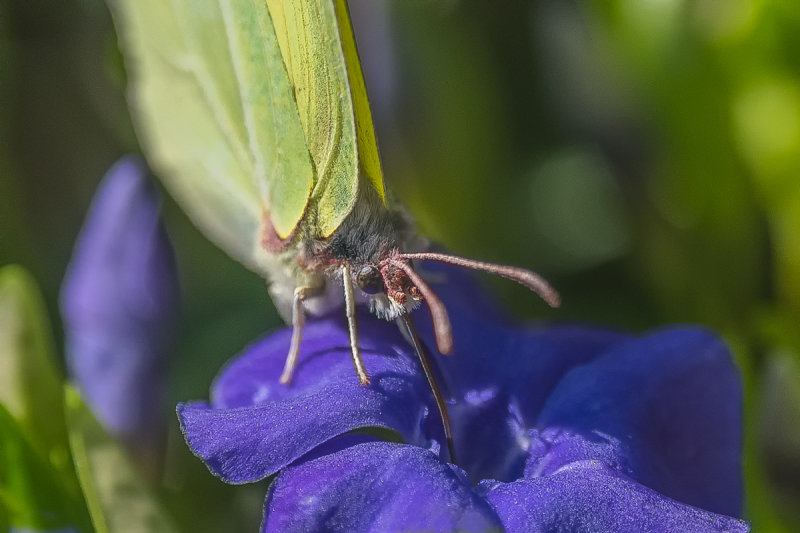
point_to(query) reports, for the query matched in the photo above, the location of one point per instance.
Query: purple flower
(118, 303)
(561, 428)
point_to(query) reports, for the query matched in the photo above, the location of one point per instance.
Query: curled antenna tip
(553, 299)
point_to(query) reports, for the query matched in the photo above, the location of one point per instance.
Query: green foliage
(118, 499)
(40, 447)
(29, 379)
(32, 493)
(38, 488)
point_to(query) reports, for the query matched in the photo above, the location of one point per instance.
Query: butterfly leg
(298, 320)
(352, 325)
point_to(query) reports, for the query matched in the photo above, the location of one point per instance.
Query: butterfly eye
(369, 279)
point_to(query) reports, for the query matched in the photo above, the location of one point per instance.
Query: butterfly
(255, 115)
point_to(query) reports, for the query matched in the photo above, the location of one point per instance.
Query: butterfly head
(387, 286)
(394, 287)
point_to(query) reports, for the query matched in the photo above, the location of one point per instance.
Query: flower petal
(518, 373)
(500, 373)
(258, 426)
(253, 376)
(589, 497)
(376, 487)
(665, 409)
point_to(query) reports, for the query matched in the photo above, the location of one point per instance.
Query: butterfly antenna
(441, 322)
(529, 279)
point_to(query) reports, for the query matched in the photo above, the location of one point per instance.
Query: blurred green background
(644, 155)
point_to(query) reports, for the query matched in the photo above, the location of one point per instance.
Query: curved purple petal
(258, 426)
(588, 497)
(499, 374)
(376, 487)
(555, 447)
(665, 409)
(515, 371)
(490, 436)
(119, 300)
(253, 377)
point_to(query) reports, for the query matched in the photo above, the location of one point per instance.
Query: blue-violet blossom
(118, 302)
(560, 428)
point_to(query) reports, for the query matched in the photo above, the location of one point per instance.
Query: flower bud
(119, 302)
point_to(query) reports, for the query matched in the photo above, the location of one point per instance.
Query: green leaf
(118, 499)
(30, 384)
(31, 491)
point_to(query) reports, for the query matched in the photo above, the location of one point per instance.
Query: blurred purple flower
(118, 302)
(562, 428)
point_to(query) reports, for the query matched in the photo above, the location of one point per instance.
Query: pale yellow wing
(318, 48)
(216, 116)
